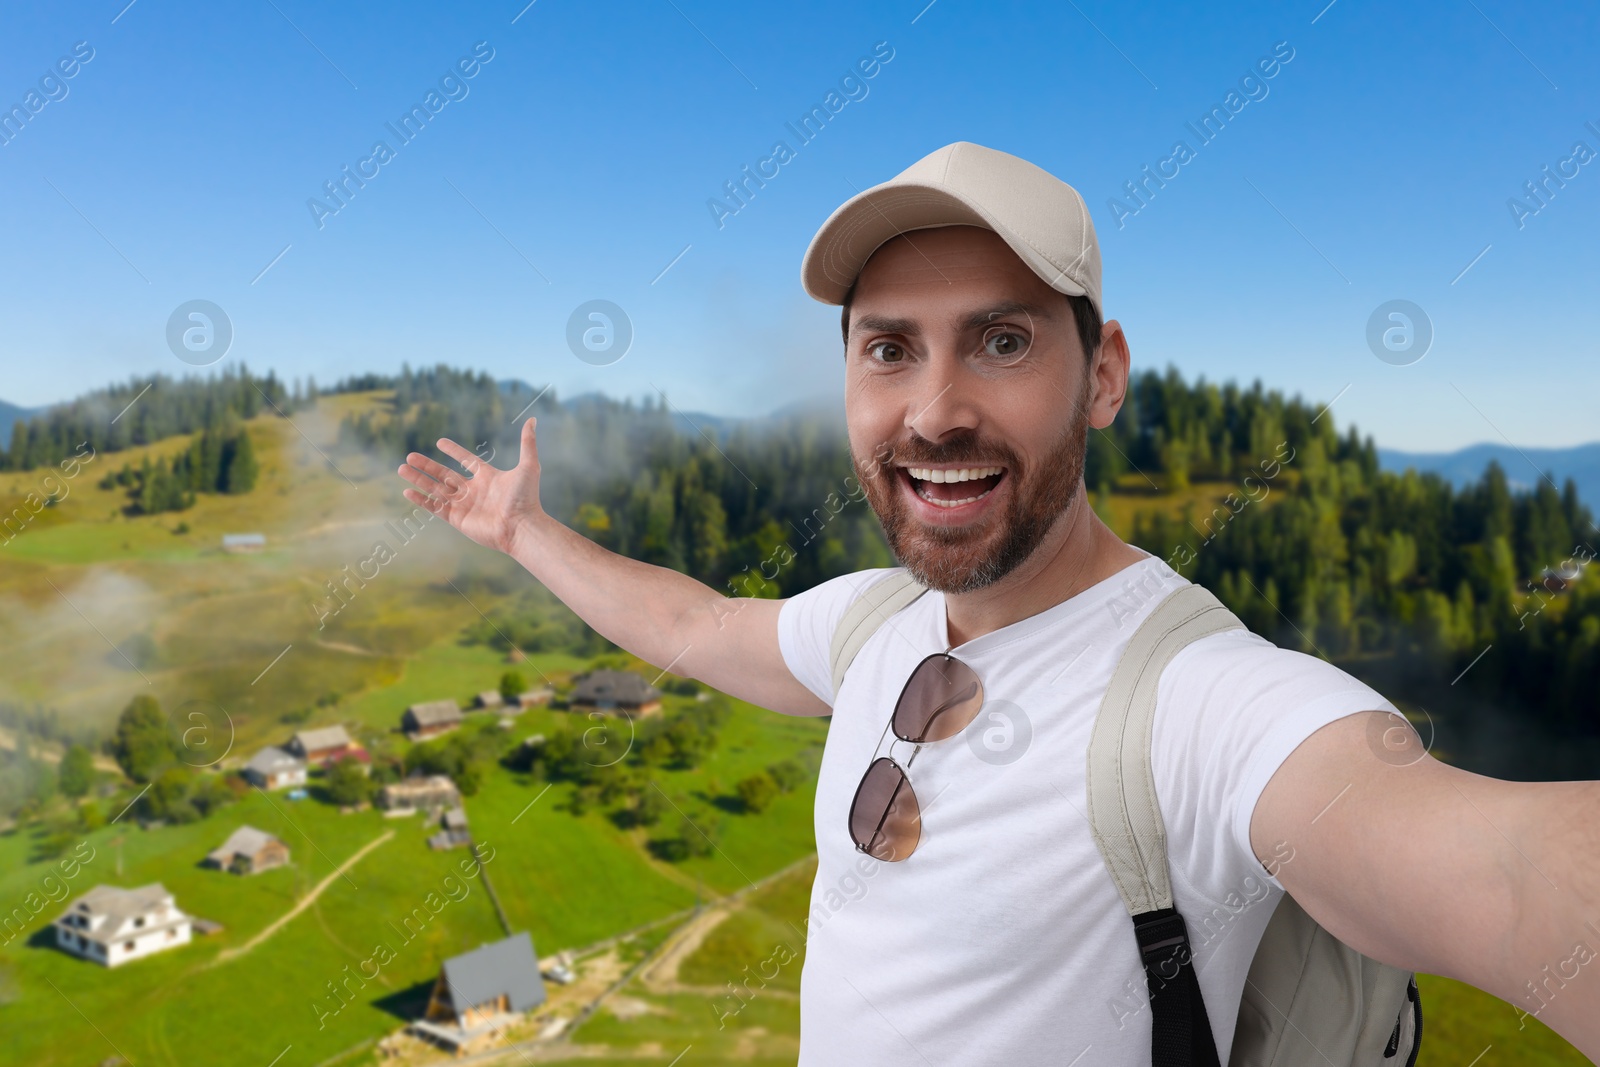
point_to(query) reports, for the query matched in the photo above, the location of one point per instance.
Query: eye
(886, 351)
(1004, 342)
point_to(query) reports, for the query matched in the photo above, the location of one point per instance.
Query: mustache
(968, 450)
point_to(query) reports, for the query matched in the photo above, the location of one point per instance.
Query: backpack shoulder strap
(866, 614)
(1123, 814)
(1309, 1000)
(1126, 822)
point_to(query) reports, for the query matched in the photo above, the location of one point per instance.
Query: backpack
(1309, 999)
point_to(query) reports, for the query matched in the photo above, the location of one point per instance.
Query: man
(976, 361)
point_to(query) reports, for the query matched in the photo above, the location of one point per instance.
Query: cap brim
(863, 223)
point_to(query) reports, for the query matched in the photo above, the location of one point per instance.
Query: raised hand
(487, 504)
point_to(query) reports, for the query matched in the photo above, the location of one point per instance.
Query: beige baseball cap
(1041, 217)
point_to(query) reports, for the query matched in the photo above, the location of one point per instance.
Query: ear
(1108, 373)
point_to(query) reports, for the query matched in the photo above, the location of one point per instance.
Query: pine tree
(240, 474)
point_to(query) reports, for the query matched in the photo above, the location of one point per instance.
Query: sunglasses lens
(884, 818)
(941, 699)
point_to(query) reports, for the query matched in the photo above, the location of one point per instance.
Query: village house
(534, 698)
(622, 692)
(419, 793)
(244, 542)
(273, 768)
(430, 718)
(111, 926)
(480, 993)
(325, 745)
(488, 699)
(249, 851)
(453, 832)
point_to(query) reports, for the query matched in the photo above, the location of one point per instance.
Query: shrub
(144, 741)
(788, 775)
(76, 774)
(757, 792)
(345, 783)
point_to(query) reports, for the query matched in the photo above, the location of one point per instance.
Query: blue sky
(580, 160)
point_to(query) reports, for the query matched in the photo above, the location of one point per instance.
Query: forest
(1313, 546)
(147, 410)
(1335, 557)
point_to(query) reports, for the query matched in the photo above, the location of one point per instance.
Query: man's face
(966, 401)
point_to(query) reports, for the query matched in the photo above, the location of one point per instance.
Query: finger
(471, 462)
(423, 500)
(420, 480)
(530, 443)
(435, 470)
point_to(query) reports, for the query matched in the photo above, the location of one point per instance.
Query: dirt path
(662, 975)
(305, 901)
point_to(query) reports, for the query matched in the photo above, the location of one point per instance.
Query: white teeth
(966, 474)
(953, 503)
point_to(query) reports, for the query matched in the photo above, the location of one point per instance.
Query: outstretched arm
(663, 617)
(1428, 867)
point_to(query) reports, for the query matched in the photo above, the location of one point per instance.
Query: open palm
(487, 504)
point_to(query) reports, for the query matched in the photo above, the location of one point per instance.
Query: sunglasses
(940, 699)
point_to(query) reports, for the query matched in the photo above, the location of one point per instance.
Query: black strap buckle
(1180, 1033)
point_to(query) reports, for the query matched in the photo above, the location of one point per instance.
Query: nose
(945, 401)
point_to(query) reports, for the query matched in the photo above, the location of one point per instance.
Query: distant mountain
(703, 423)
(1581, 463)
(10, 413)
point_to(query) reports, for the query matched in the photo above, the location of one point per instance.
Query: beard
(962, 559)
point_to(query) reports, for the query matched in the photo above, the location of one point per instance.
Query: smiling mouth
(954, 487)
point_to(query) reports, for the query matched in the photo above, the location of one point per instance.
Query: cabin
(249, 851)
(110, 925)
(535, 698)
(488, 699)
(453, 832)
(619, 692)
(325, 745)
(480, 993)
(273, 768)
(419, 793)
(430, 718)
(244, 542)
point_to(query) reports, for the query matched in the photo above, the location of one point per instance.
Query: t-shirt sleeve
(1230, 708)
(806, 622)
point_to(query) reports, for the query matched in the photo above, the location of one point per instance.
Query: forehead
(952, 265)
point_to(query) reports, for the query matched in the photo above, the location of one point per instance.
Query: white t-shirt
(1001, 940)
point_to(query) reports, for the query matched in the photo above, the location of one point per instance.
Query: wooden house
(453, 832)
(274, 768)
(618, 692)
(430, 718)
(418, 793)
(325, 745)
(480, 993)
(249, 851)
(535, 698)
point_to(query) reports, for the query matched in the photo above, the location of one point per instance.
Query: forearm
(650, 611)
(1553, 949)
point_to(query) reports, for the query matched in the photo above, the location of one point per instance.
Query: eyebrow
(975, 320)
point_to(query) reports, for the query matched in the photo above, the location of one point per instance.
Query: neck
(1079, 552)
